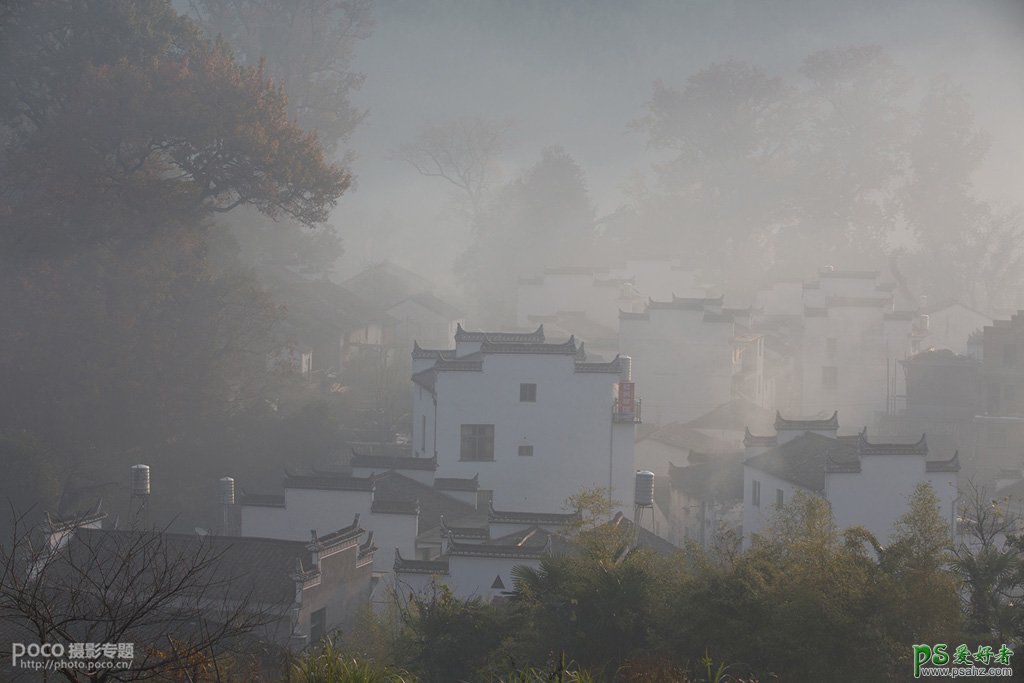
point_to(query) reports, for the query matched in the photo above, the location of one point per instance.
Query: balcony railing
(626, 411)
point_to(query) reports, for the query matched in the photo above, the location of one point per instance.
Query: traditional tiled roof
(752, 441)
(802, 461)
(489, 346)
(806, 425)
(865, 447)
(457, 484)
(387, 284)
(645, 539)
(613, 366)
(475, 533)
(719, 480)
(392, 462)
(419, 352)
(404, 566)
(339, 537)
(454, 548)
(434, 305)
(264, 568)
(530, 537)
(735, 414)
(951, 465)
(535, 337)
(368, 547)
(392, 486)
(683, 437)
(92, 516)
(515, 517)
(677, 305)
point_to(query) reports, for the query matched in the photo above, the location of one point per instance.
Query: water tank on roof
(644, 496)
(626, 368)
(140, 480)
(227, 491)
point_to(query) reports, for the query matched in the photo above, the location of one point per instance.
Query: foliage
(846, 162)
(445, 638)
(126, 133)
(327, 664)
(989, 562)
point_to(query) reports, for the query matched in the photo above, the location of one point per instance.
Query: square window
(477, 442)
(528, 393)
(525, 450)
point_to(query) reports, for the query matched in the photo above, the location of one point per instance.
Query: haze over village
(448, 341)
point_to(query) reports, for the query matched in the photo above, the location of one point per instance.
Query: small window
(779, 497)
(318, 625)
(477, 442)
(831, 345)
(423, 434)
(755, 494)
(525, 450)
(830, 376)
(527, 393)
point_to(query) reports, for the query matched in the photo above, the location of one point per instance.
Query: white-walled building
(847, 331)
(866, 484)
(533, 420)
(401, 511)
(688, 357)
(951, 324)
(591, 292)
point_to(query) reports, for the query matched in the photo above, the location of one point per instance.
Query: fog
(579, 75)
(271, 272)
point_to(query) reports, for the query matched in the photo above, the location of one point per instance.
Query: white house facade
(866, 484)
(534, 421)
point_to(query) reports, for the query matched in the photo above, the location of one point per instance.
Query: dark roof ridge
(804, 424)
(461, 334)
(865, 447)
(753, 440)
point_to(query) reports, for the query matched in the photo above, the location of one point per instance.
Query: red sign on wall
(627, 393)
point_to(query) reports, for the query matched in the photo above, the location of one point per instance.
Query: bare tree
(987, 558)
(172, 597)
(463, 152)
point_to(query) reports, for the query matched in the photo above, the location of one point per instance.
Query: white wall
(757, 518)
(330, 510)
(575, 442)
(683, 365)
(879, 494)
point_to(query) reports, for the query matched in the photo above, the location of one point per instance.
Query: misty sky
(577, 73)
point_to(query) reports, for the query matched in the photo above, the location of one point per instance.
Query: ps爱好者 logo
(937, 660)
